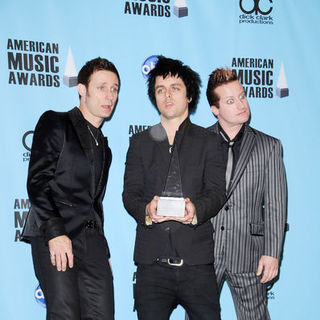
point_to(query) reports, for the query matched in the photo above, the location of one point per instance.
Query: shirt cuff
(194, 220)
(148, 221)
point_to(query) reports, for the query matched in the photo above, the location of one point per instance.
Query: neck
(95, 121)
(171, 126)
(231, 131)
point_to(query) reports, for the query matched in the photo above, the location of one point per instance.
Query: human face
(233, 108)
(171, 98)
(98, 100)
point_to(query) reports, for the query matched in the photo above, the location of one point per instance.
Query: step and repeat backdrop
(272, 45)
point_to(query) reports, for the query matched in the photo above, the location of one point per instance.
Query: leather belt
(91, 224)
(176, 262)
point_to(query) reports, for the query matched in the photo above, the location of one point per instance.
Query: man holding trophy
(173, 185)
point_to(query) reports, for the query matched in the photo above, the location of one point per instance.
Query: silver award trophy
(171, 202)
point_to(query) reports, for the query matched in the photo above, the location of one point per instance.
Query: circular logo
(39, 296)
(255, 8)
(27, 140)
(148, 65)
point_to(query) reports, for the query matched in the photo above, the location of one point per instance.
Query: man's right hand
(60, 249)
(151, 211)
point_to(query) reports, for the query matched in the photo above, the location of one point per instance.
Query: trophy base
(70, 81)
(180, 12)
(282, 92)
(171, 207)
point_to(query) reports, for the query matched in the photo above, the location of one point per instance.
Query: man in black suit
(67, 177)
(174, 255)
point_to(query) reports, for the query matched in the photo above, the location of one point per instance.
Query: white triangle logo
(70, 77)
(282, 89)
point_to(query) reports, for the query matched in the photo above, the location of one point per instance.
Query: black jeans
(160, 288)
(83, 292)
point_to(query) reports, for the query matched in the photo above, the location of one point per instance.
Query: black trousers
(83, 292)
(160, 288)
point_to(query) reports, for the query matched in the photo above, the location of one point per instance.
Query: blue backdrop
(255, 38)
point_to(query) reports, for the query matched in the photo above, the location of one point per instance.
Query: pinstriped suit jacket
(252, 223)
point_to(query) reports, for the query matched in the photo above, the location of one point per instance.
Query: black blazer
(60, 183)
(202, 175)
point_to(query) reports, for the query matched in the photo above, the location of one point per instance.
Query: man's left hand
(268, 267)
(190, 211)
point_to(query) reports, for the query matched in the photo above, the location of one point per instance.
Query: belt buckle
(175, 264)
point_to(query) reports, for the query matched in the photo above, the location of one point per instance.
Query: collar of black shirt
(237, 138)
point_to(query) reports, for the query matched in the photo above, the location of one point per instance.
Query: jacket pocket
(257, 229)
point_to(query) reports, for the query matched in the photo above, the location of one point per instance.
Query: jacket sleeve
(134, 183)
(213, 196)
(275, 202)
(46, 147)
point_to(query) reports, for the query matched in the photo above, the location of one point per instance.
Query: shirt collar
(238, 137)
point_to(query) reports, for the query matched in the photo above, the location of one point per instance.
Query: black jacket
(60, 183)
(202, 176)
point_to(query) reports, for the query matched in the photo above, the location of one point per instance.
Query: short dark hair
(95, 65)
(217, 78)
(170, 67)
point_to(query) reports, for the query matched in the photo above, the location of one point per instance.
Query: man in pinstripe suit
(249, 229)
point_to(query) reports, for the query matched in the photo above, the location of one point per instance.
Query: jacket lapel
(81, 129)
(105, 167)
(159, 136)
(214, 128)
(247, 144)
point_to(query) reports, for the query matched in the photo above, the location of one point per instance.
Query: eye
(101, 88)
(230, 101)
(114, 89)
(175, 88)
(160, 91)
(243, 96)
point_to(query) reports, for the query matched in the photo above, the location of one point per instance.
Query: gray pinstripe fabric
(252, 223)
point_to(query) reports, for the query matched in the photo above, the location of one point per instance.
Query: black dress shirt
(224, 146)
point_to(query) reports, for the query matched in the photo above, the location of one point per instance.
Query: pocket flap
(257, 229)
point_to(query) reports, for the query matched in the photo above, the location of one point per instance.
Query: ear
(215, 110)
(82, 89)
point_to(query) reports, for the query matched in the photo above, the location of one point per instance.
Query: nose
(241, 104)
(109, 94)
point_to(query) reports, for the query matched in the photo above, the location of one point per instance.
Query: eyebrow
(242, 92)
(114, 84)
(171, 85)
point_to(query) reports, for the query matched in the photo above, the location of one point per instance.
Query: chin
(107, 114)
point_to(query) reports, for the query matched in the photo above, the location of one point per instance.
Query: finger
(64, 261)
(53, 259)
(267, 275)
(264, 279)
(271, 274)
(153, 215)
(70, 258)
(58, 262)
(260, 268)
(275, 274)
(159, 219)
(183, 220)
